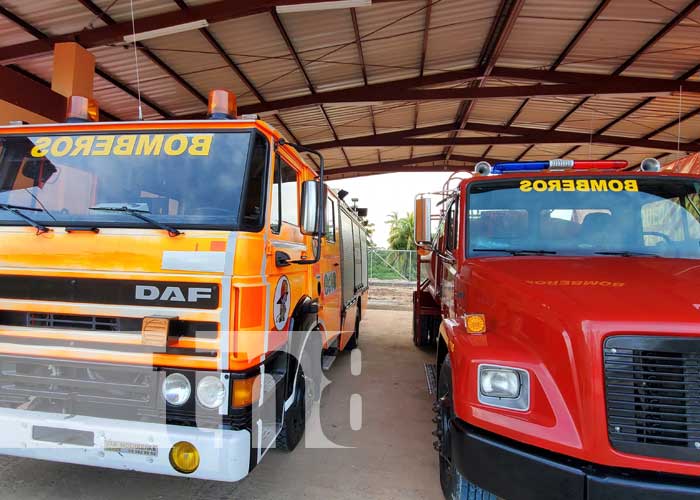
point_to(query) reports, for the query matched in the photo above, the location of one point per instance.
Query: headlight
(504, 387)
(176, 389)
(211, 392)
(499, 382)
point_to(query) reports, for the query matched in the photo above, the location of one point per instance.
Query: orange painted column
(73, 70)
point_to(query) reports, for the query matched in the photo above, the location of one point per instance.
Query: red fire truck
(568, 337)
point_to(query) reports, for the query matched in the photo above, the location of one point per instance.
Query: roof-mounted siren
(222, 105)
(80, 109)
(482, 168)
(650, 165)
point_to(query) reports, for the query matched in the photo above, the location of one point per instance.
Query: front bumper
(518, 472)
(119, 444)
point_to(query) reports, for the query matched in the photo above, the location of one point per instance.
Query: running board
(431, 377)
(327, 361)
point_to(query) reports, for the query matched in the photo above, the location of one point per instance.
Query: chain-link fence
(392, 264)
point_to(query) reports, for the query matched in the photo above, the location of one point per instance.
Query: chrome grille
(652, 390)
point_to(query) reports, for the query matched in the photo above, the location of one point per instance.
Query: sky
(386, 193)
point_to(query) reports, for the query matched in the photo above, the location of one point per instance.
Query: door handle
(282, 259)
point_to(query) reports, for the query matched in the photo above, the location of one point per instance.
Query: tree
(401, 231)
(369, 227)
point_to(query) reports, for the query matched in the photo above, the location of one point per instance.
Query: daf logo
(172, 293)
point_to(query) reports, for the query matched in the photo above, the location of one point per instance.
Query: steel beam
(114, 33)
(31, 95)
(515, 135)
(435, 163)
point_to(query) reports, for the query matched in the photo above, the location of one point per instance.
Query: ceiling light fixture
(170, 30)
(310, 7)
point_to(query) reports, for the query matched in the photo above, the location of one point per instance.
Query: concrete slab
(390, 457)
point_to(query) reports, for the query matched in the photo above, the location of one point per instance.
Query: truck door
(330, 270)
(448, 258)
(287, 283)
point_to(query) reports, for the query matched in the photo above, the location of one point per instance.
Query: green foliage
(401, 232)
(392, 265)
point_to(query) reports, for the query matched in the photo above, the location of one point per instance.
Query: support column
(73, 70)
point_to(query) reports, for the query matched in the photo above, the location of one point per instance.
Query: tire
(454, 485)
(355, 339)
(294, 421)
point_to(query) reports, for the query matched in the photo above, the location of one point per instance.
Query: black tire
(295, 418)
(355, 339)
(454, 485)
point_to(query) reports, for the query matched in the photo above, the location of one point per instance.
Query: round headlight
(211, 392)
(176, 389)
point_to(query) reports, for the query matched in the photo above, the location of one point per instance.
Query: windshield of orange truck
(184, 179)
(626, 216)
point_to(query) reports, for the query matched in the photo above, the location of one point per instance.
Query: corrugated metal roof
(392, 36)
(543, 30)
(256, 46)
(53, 17)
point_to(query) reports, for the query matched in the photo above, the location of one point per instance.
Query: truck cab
(167, 291)
(569, 332)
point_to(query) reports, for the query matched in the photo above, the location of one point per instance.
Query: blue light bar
(520, 166)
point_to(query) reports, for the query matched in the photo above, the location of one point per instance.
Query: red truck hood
(638, 289)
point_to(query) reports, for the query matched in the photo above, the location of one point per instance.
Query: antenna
(136, 60)
(680, 112)
(590, 130)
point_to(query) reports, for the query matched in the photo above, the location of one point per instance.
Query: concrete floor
(391, 455)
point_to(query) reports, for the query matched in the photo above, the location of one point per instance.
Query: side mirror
(310, 198)
(421, 231)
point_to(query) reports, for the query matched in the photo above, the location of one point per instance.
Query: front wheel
(454, 485)
(294, 421)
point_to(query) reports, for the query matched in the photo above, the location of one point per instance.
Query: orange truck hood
(116, 250)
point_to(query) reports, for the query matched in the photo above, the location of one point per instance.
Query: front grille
(652, 391)
(78, 388)
(72, 321)
(102, 390)
(179, 328)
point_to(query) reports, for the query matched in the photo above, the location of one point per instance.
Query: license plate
(122, 447)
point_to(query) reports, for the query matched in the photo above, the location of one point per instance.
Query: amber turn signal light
(244, 392)
(82, 109)
(154, 331)
(475, 323)
(222, 105)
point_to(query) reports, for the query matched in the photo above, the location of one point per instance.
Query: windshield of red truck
(645, 216)
(183, 179)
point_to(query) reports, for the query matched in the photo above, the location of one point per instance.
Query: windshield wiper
(515, 251)
(139, 214)
(15, 209)
(627, 253)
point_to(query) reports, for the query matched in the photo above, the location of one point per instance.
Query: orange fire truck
(562, 295)
(163, 286)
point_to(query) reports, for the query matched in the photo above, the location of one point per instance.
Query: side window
(330, 220)
(451, 227)
(285, 203)
(255, 187)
